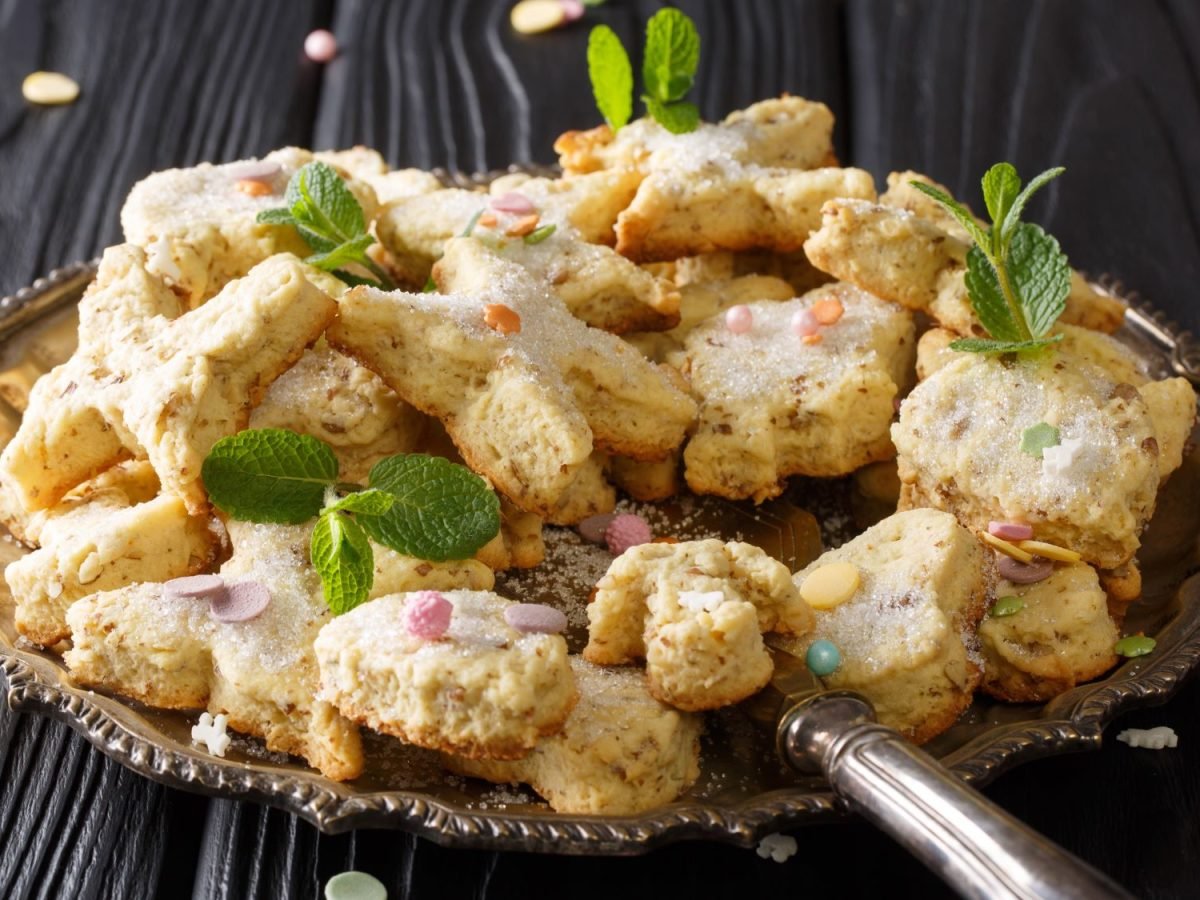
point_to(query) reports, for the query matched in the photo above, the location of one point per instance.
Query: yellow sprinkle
(536, 16)
(49, 88)
(1006, 548)
(1050, 551)
(829, 586)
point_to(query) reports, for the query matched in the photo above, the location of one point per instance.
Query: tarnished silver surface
(744, 792)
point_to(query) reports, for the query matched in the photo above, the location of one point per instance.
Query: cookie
(794, 268)
(620, 752)
(149, 382)
(695, 611)
(906, 635)
(526, 408)
(483, 689)
(772, 406)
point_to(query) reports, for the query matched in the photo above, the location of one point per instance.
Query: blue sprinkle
(823, 658)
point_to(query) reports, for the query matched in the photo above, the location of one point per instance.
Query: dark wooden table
(1109, 89)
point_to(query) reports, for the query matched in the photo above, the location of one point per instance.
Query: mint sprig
(422, 506)
(327, 215)
(669, 60)
(1017, 276)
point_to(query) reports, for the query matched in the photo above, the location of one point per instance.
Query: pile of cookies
(712, 312)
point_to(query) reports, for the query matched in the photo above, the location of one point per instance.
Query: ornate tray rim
(1070, 723)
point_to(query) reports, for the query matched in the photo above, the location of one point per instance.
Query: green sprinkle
(539, 234)
(1007, 606)
(472, 223)
(355, 886)
(1037, 438)
(1135, 645)
(430, 286)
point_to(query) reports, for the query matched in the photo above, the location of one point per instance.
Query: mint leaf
(1001, 184)
(987, 298)
(1036, 438)
(328, 206)
(343, 254)
(956, 209)
(370, 502)
(1040, 275)
(442, 510)
(979, 345)
(670, 58)
(269, 475)
(342, 556)
(276, 217)
(1009, 225)
(677, 118)
(611, 75)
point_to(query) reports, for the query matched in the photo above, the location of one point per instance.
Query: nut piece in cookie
(151, 383)
(620, 751)
(695, 611)
(1060, 636)
(906, 636)
(772, 405)
(482, 689)
(526, 408)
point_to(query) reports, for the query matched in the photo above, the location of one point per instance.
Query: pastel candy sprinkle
(515, 203)
(1050, 551)
(1150, 738)
(572, 9)
(1011, 531)
(823, 658)
(535, 16)
(1135, 645)
(211, 733)
(830, 585)
(701, 601)
(1036, 438)
(1024, 573)
(195, 586)
(320, 46)
(49, 88)
(355, 886)
(535, 618)
(805, 324)
(255, 170)
(1006, 606)
(427, 615)
(593, 528)
(828, 311)
(240, 601)
(1059, 459)
(739, 319)
(625, 531)
(1003, 546)
(779, 847)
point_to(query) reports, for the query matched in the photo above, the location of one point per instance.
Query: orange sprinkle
(487, 220)
(253, 188)
(523, 226)
(502, 318)
(828, 311)
(811, 339)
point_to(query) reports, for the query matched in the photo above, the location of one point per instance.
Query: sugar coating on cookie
(620, 752)
(1061, 635)
(771, 406)
(695, 611)
(906, 637)
(482, 690)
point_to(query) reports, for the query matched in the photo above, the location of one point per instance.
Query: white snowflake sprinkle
(1149, 738)
(211, 732)
(779, 847)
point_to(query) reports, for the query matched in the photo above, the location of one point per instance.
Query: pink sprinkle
(625, 531)
(195, 587)
(320, 46)
(535, 618)
(427, 615)
(593, 528)
(739, 319)
(1024, 573)
(512, 202)
(805, 324)
(240, 602)
(572, 10)
(1011, 531)
(263, 170)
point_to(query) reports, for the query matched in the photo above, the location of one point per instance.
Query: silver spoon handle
(976, 847)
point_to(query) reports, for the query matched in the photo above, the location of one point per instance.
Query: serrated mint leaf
(1009, 225)
(987, 298)
(956, 209)
(981, 345)
(342, 556)
(352, 251)
(611, 75)
(328, 205)
(269, 475)
(671, 56)
(1040, 276)
(1036, 438)
(354, 280)
(275, 217)
(442, 510)
(677, 118)
(1001, 184)
(370, 502)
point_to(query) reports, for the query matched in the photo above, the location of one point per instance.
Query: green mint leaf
(320, 200)
(342, 556)
(354, 280)
(987, 298)
(371, 502)
(430, 286)
(278, 216)
(677, 118)
(611, 75)
(671, 56)
(1040, 276)
(1037, 438)
(1001, 184)
(269, 475)
(353, 251)
(980, 345)
(442, 510)
(540, 234)
(1013, 216)
(956, 209)
(594, 2)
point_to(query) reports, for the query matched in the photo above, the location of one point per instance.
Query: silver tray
(744, 791)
